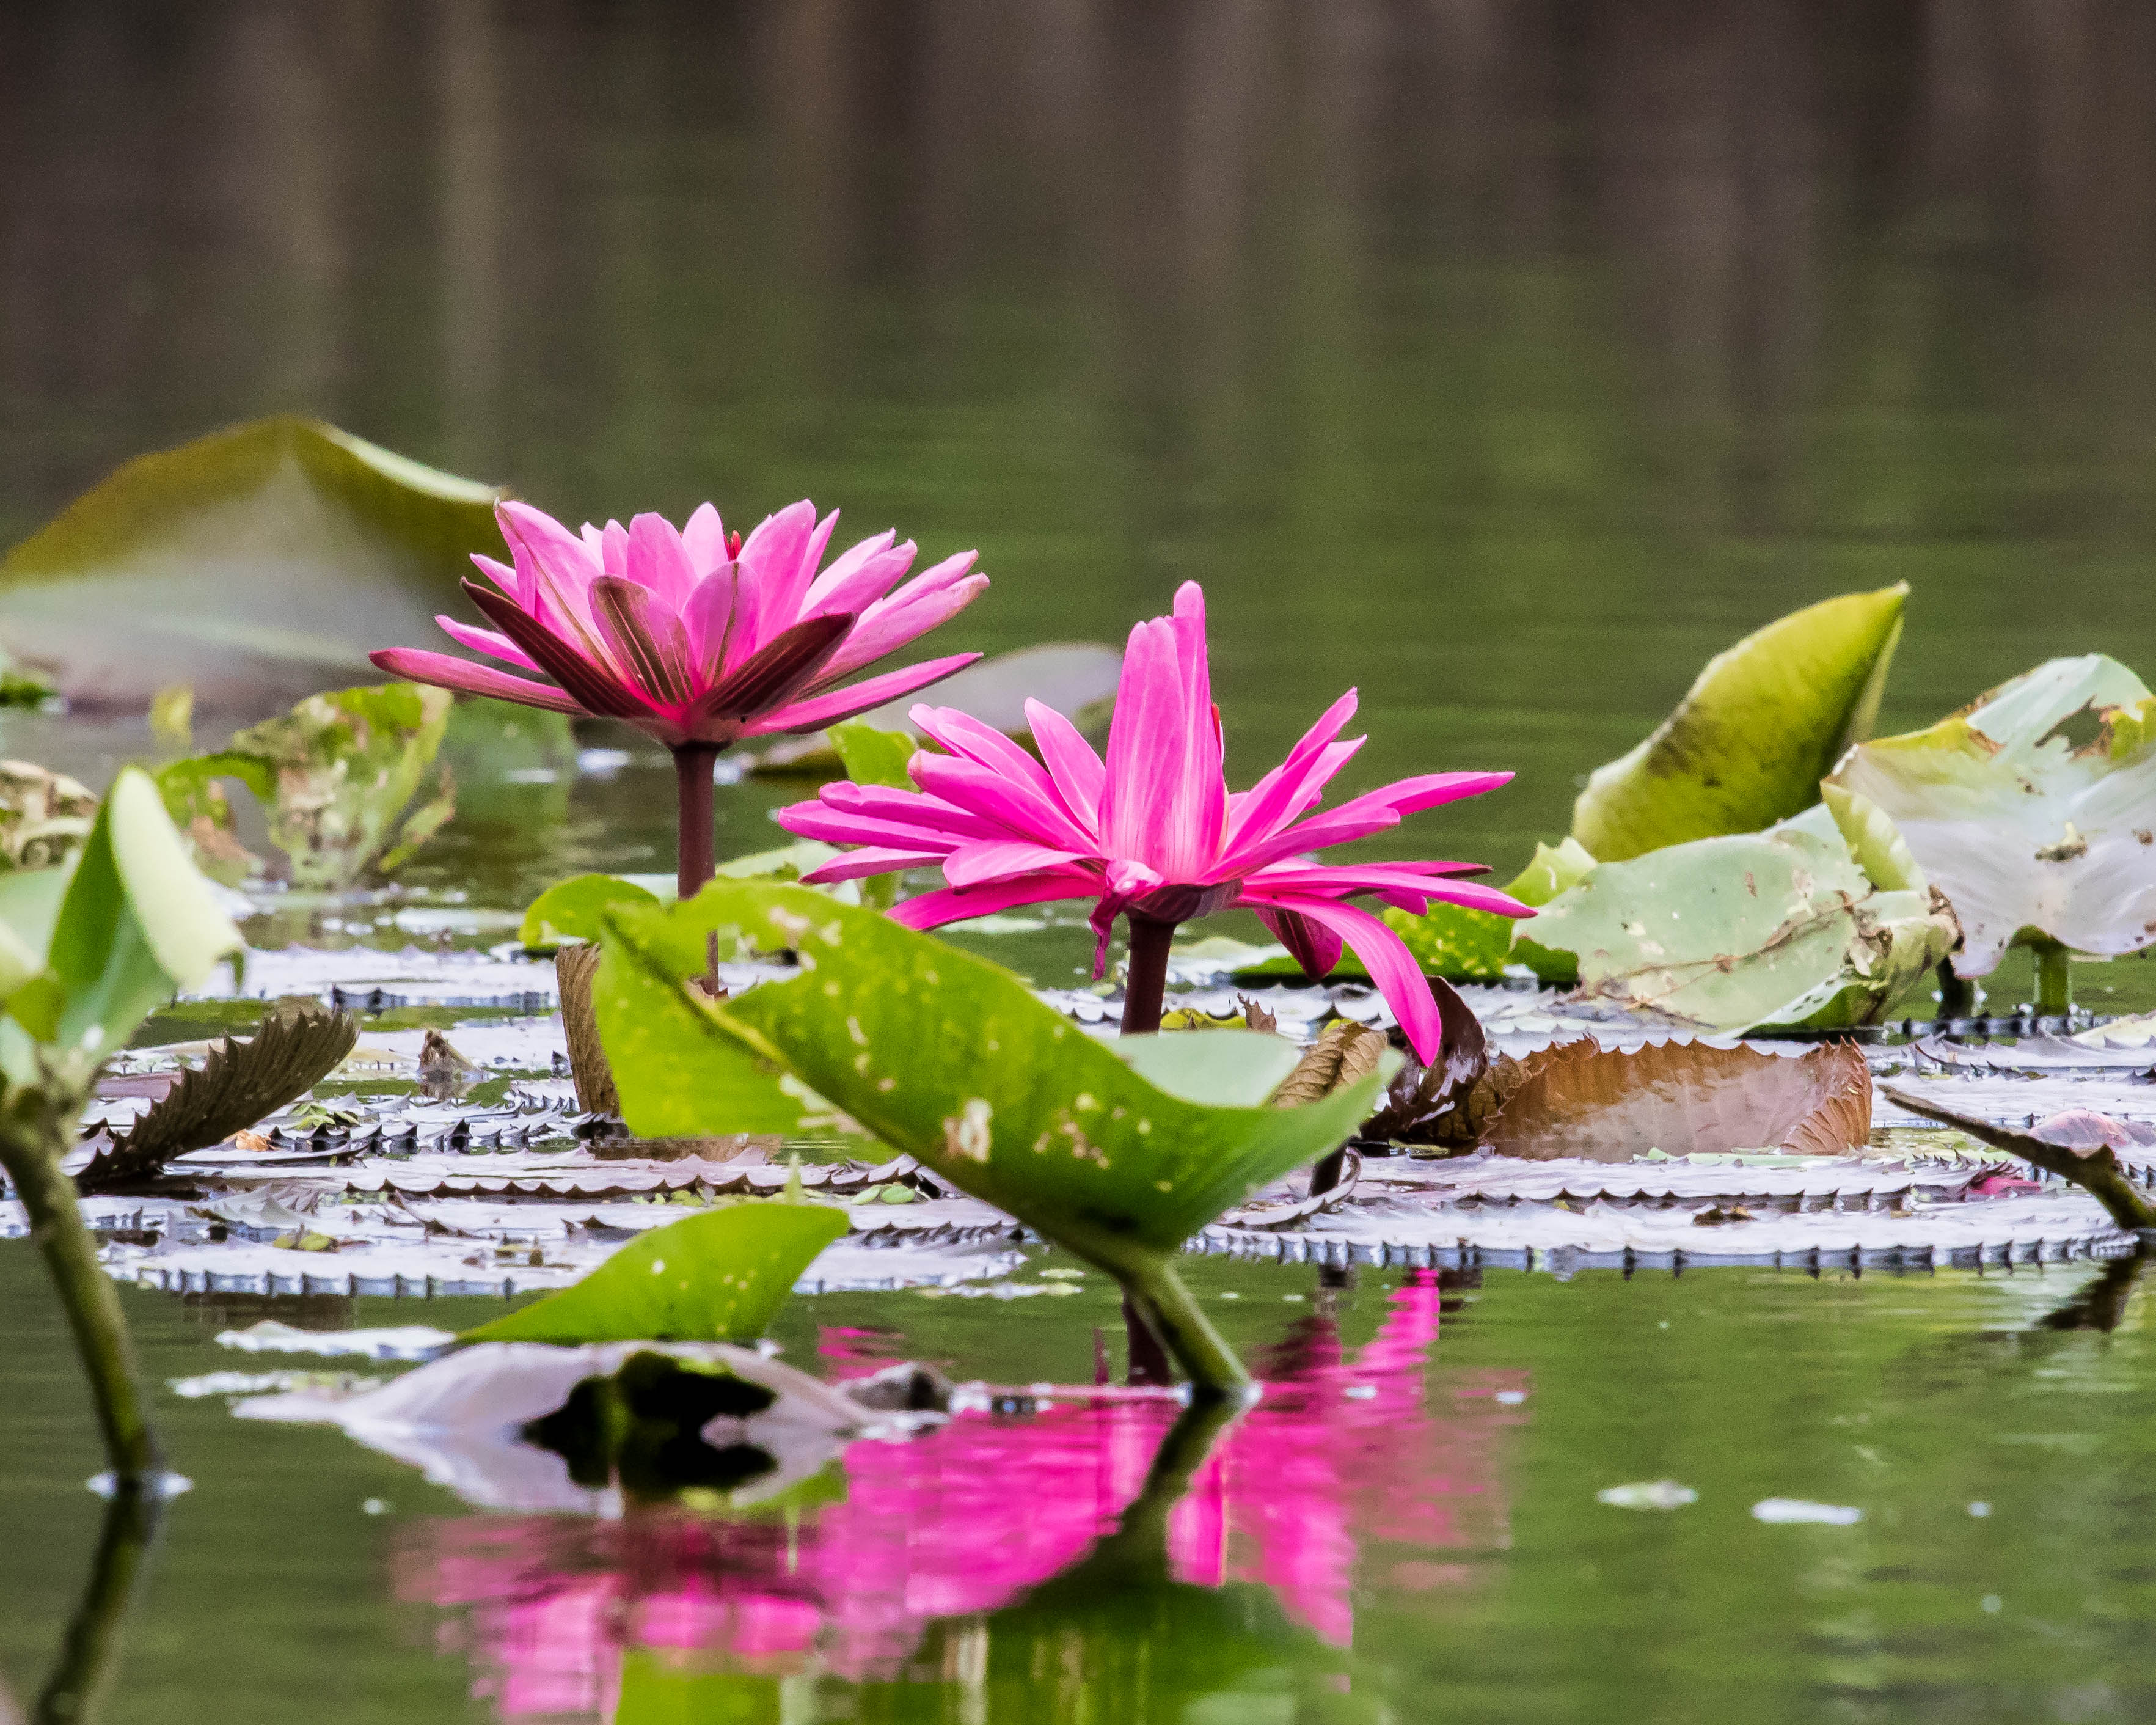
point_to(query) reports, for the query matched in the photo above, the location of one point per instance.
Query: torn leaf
(2026, 834)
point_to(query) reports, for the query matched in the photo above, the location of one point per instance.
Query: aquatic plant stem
(692, 780)
(1167, 1307)
(91, 1652)
(1145, 982)
(2055, 979)
(1957, 994)
(2099, 1174)
(35, 1133)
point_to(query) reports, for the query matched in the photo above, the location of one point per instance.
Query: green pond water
(1505, 362)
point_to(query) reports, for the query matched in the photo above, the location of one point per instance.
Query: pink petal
(860, 576)
(1316, 950)
(503, 576)
(1143, 745)
(1391, 966)
(1077, 772)
(485, 640)
(658, 560)
(932, 910)
(710, 611)
(884, 631)
(1293, 786)
(821, 710)
(877, 801)
(444, 672)
(772, 581)
(1018, 806)
(970, 740)
(872, 859)
(555, 569)
(704, 537)
(979, 864)
(838, 826)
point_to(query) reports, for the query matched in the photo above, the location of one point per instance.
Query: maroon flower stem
(692, 778)
(1145, 983)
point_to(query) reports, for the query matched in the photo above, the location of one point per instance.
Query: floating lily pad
(715, 1277)
(1683, 1098)
(258, 564)
(2029, 832)
(1462, 945)
(1778, 928)
(1763, 723)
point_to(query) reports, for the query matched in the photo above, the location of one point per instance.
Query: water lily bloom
(696, 637)
(1153, 834)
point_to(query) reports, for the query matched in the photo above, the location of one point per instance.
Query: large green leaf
(258, 564)
(715, 1277)
(1756, 930)
(874, 757)
(950, 1058)
(570, 909)
(1765, 721)
(2029, 829)
(675, 1076)
(136, 921)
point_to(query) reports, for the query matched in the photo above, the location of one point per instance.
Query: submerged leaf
(1580, 1099)
(257, 564)
(950, 1058)
(1777, 928)
(715, 1277)
(1763, 723)
(2024, 832)
(238, 1084)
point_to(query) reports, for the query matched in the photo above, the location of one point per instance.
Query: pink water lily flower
(1153, 834)
(697, 637)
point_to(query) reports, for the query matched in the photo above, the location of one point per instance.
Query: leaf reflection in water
(969, 1519)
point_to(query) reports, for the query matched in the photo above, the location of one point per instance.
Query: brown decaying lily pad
(1580, 1099)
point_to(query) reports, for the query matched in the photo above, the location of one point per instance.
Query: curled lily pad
(2030, 829)
(953, 1060)
(1763, 723)
(715, 1277)
(257, 564)
(1683, 1098)
(873, 756)
(1778, 928)
(1077, 679)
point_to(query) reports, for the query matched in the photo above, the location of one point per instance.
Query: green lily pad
(874, 757)
(2030, 830)
(950, 1058)
(1763, 723)
(258, 564)
(1223, 1068)
(715, 1277)
(1782, 928)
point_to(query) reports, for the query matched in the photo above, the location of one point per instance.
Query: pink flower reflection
(1343, 1453)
